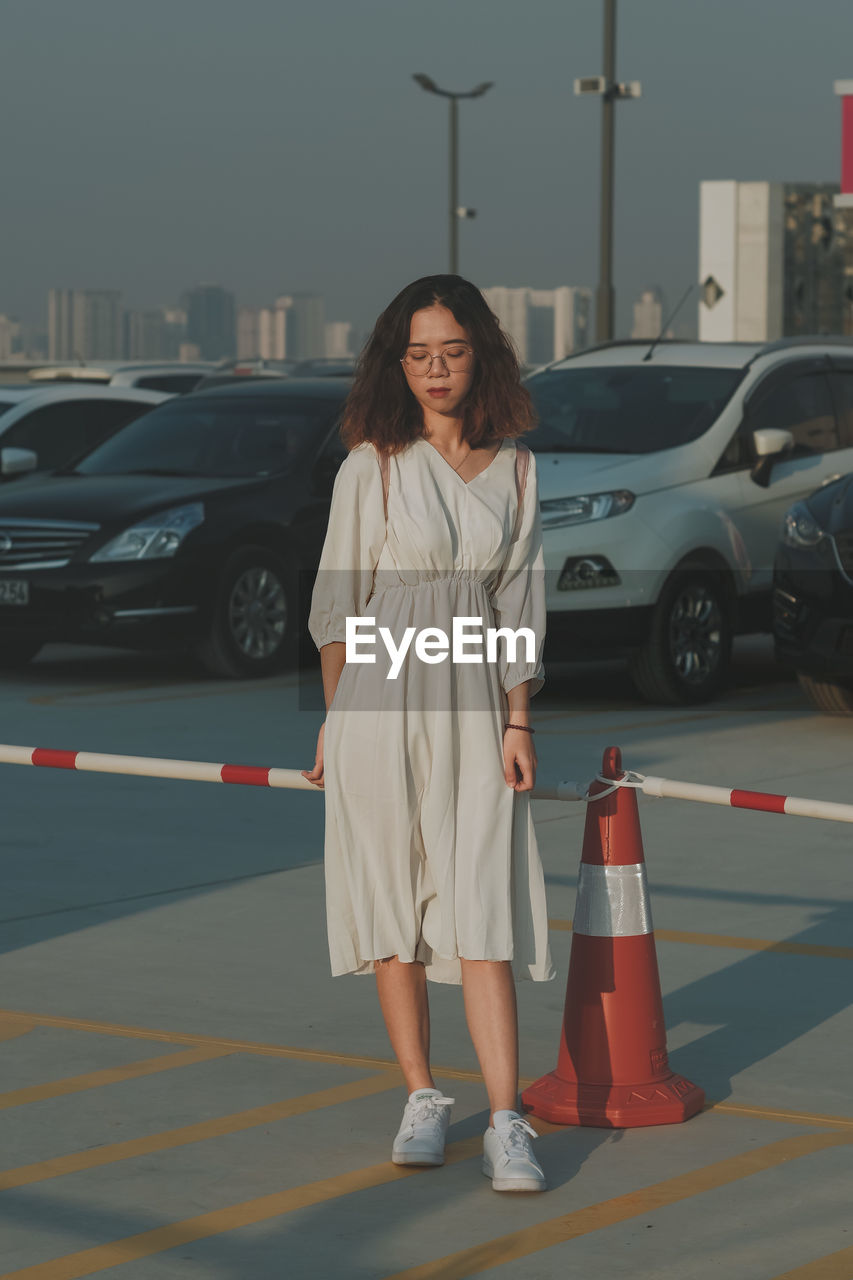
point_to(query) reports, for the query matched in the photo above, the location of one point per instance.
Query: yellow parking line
(229, 1046)
(146, 1243)
(95, 1158)
(110, 1075)
(789, 1117)
(12, 1030)
(737, 944)
(581, 1222)
(835, 1266)
(353, 1060)
(518, 1244)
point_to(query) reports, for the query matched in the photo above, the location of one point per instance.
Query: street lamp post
(456, 211)
(610, 91)
(604, 307)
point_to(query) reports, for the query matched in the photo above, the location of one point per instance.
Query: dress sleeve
(519, 597)
(354, 539)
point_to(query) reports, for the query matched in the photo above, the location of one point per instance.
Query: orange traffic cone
(612, 1068)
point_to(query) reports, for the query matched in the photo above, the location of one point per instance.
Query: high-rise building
(154, 334)
(844, 198)
(781, 253)
(338, 343)
(305, 325)
(145, 335)
(84, 324)
(175, 332)
(262, 331)
(8, 333)
(211, 321)
(247, 333)
(272, 330)
(544, 324)
(649, 314)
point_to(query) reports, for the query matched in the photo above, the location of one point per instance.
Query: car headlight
(157, 537)
(800, 529)
(589, 506)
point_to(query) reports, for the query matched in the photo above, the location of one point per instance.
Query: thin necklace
(446, 459)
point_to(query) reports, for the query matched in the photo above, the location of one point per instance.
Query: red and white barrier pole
(152, 767)
(257, 776)
(762, 801)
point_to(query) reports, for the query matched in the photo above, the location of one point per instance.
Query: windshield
(222, 438)
(626, 408)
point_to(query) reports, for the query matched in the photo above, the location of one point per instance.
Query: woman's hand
(316, 774)
(519, 759)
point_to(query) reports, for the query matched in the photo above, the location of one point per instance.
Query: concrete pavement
(187, 1092)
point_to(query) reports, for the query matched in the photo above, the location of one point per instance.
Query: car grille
(40, 544)
(844, 548)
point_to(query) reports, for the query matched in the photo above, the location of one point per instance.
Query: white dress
(429, 854)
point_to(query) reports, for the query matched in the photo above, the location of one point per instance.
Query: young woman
(431, 862)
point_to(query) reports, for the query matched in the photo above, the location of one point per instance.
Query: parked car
(663, 479)
(813, 592)
(198, 525)
(229, 371)
(325, 367)
(174, 376)
(42, 429)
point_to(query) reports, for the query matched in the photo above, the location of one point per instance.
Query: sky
(272, 146)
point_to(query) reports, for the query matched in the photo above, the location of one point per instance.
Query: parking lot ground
(187, 1092)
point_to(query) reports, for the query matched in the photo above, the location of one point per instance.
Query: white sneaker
(420, 1139)
(508, 1157)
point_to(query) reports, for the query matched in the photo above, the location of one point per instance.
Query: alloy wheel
(257, 613)
(695, 633)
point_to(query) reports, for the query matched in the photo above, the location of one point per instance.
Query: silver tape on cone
(612, 902)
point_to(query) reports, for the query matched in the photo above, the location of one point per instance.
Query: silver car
(42, 429)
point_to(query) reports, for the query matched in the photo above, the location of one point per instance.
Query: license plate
(14, 591)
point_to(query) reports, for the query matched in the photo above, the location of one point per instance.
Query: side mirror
(17, 462)
(769, 444)
(771, 440)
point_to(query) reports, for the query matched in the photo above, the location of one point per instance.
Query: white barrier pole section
(257, 776)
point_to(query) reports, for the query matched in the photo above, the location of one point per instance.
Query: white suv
(663, 481)
(175, 377)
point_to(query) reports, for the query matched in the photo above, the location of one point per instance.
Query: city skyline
(209, 322)
(244, 161)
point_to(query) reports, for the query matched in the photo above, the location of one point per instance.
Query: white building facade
(544, 324)
(781, 252)
(741, 244)
(648, 315)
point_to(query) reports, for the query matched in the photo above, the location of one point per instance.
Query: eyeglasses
(455, 359)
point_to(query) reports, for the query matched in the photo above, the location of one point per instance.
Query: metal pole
(605, 297)
(454, 185)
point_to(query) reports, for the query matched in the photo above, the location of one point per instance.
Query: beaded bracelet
(525, 727)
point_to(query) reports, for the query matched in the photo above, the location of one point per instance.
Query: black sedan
(200, 524)
(813, 595)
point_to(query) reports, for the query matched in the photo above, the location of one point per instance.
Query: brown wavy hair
(381, 408)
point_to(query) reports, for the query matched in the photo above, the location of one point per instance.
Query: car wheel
(831, 698)
(687, 653)
(253, 628)
(17, 651)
